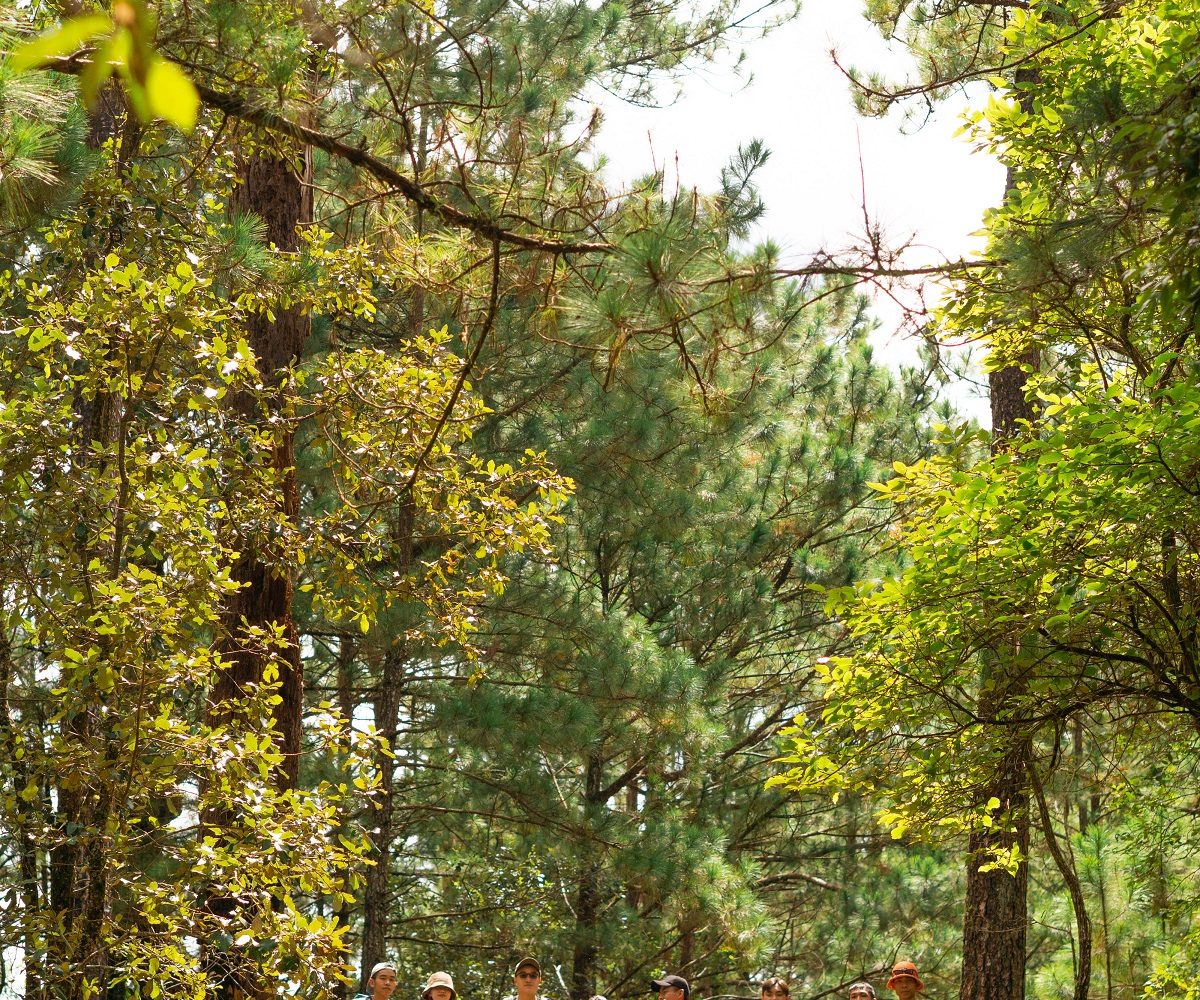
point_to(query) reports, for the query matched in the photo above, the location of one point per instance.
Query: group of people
(905, 982)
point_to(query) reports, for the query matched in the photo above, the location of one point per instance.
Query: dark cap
(676, 981)
(532, 963)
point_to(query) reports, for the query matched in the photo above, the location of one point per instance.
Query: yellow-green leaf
(96, 73)
(62, 41)
(172, 95)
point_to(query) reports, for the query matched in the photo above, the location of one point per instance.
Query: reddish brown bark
(994, 918)
(995, 915)
(273, 189)
(280, 193)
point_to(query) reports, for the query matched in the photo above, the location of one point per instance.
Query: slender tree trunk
(1066, 868)
(78, 886)
(1106, 930)
(376, 897)
(347, 702)
(587, 898)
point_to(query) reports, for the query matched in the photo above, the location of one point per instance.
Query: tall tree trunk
(78, 874)
(347, 701)
(995, 915)
(376, 898)
(994, 918)
(279, 191)
(272, 188)
(587, 897)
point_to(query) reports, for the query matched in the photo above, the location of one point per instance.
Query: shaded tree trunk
(995, 915)
(994, 918)
(375, 895)
(78, 886)
(279, 191)
(587, 898)
(271, 188)
(387, 707)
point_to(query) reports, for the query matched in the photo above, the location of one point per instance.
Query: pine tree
(631, 682)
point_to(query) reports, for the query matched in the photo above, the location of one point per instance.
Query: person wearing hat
(862, 990)
(905, 980)
(671, 988)
(527, 978)
(381, 983)
(439, 986)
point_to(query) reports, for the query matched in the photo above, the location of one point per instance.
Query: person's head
(775, 989)
(671, 988)
(862, 991)
(527, 977)
(381, 984)
(439, 986)
(905, 980)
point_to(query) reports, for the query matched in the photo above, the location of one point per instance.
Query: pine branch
(358, 156)
(410, 189)
(925, 89)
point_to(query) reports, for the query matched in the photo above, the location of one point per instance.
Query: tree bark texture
(376, 898)
(1008, 402)
(273, 189)
(279, 191)
(587, 898)
(995, 916)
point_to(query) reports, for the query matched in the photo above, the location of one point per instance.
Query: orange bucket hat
(901, 969)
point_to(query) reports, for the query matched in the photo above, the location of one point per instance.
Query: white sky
(924, 182)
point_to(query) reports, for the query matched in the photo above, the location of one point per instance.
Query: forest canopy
(413, 548)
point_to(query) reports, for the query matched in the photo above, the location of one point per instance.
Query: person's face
(906, 988)
(440, 993)
(670, 993)
(774, 993)
(527, 981)
(382, 984)
(860, 995)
